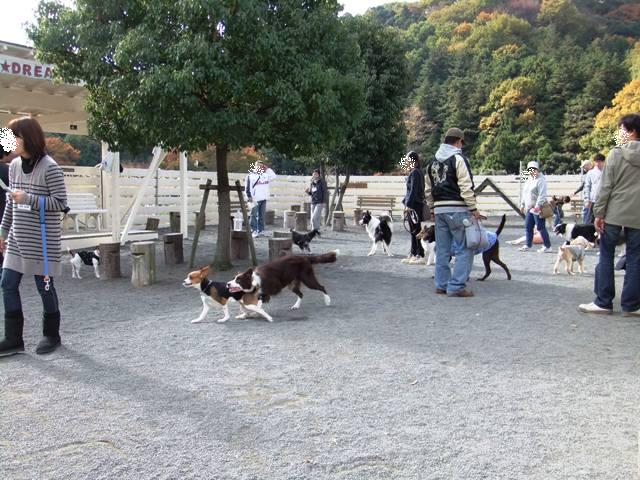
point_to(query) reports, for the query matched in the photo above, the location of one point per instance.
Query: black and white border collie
(379, 232)
(571, 231)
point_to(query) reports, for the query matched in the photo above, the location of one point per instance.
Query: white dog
(84, 258)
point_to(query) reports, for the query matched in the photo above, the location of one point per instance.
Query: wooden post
(152, 223)
(338, 223)
(196, 233)
(279, 247)
(240, 245)
(245, 219)
(357, 216)
(301, 221)
(269, 217)
(174, 222)
(143, 255)
(201, 220)
(110, 259)
(280, 234)
(306, 207)
(295, 208)
(289, 219)
(173, 252)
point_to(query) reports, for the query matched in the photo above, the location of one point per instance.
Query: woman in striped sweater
(33, 177)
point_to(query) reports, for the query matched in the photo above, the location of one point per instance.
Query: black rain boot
(51, 332)
(12, 343)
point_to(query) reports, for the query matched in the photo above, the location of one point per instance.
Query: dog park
(160, 152)
(389, 381)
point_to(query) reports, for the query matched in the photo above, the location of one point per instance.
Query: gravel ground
(390, 382)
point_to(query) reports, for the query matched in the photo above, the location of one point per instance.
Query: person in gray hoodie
(616, 209)
(450, 196)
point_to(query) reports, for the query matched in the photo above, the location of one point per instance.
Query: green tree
(188, 74)
(377, 141)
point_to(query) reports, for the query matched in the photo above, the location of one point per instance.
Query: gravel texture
(389, 382)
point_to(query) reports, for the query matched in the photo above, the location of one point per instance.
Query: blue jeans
(531, 220)
(257, 216)
(587, 215)
(450, 239)
(604, 285)
(11, 293)
(558, 216)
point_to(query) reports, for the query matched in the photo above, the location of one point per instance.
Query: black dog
(303, 240)
(493, 254)
(571, 231)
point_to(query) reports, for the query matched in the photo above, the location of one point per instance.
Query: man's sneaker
(593, 308)
(635, 313)
(545, 250)
(524, 249)
(407, 260)
(255, 234)
(461, 293)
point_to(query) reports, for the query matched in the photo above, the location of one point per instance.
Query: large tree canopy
(190, 73)
(187, 74)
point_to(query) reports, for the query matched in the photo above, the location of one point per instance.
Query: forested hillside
(526, 79)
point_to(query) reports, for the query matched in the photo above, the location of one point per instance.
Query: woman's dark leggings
(416, 246)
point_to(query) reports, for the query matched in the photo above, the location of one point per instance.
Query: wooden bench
(377, 202)
(84, 204)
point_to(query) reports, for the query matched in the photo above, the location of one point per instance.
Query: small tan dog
(583, 242)
(569, 254)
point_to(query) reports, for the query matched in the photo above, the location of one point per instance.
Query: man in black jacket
(450, 196)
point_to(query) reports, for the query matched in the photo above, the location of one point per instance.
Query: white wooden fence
(163, 196)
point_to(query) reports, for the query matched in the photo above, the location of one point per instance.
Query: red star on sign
(5, 66)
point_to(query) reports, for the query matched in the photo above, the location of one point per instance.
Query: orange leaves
(62, 152)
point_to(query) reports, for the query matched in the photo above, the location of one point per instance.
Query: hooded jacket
(449, 182)
(534, 193)
(619, 196)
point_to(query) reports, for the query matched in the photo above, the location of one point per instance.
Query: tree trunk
(327, 218)
(343, 188)
(222, 259)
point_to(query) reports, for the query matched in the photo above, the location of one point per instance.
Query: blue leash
(43, 235)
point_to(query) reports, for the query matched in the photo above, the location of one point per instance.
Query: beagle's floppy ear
(205, 270)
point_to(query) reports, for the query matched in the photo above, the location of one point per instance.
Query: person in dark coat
(414, 206)
(316, 190)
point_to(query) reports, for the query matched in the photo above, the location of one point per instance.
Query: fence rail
(163, 195)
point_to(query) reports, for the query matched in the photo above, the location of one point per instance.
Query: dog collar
(206, 289)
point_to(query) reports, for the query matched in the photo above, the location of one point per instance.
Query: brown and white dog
(290, 271)
(569, 254)
(427, 238)
(212, 292)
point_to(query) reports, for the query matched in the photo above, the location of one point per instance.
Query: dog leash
(43, 235)
(410, 215)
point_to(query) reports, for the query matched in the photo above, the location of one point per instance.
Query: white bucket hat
(533, 164)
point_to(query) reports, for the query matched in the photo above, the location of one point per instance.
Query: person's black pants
(416, 246)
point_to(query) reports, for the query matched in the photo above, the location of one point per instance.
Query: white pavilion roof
(27, 88)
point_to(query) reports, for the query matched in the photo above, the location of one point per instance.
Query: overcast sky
(15, 13)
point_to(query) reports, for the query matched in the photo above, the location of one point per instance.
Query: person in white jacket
(533, 196)
(257, 190)
(592, 188)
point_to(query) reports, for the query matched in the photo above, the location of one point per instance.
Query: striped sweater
(21, 227)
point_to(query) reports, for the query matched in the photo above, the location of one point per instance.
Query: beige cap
(455, 133)
(586, 163)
